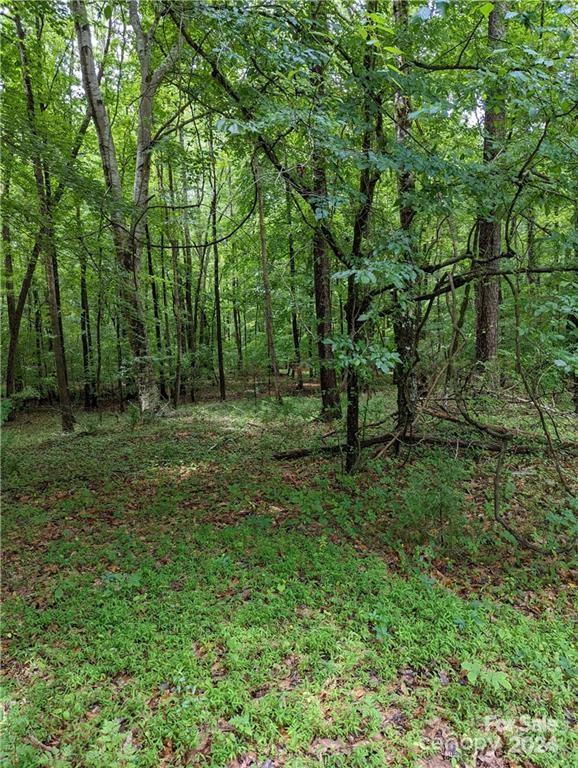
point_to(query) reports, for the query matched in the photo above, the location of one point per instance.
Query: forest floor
(175, 596)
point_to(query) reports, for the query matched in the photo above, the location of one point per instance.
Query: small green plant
(433, 501)
(24, 396)
(134, 416)
(476, 672)
(5, 409)
(113, 747)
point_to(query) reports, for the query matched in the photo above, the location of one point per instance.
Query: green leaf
(393, 49)
(473, 669)
(486, 9)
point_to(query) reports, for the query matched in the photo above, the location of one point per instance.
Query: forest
(289, 383)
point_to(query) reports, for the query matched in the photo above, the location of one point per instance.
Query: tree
(128, 232)
(489, 227)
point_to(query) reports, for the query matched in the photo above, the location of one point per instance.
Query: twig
(522, 540)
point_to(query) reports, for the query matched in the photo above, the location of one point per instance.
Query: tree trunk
(198, 310)
(177, 311)
(266, 284)
(237, 323)
(352, 310)
(330, 406)
(119, 362)
(127, 236)
(533, 277)
(47, 246)
(572, 328)
(8, 266)
(85, 331)
(293, 277)
(156, 316)
(67, 418)
(178, 323)
(99, 309)
(357, 299)
(189, 333)
(39, 337)
(405, 319)
(489, 229)
(11, 355)
(216, 286)
(86, 339)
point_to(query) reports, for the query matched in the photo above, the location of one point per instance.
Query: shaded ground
(175, 597)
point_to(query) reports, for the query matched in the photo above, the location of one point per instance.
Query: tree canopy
(200, 192)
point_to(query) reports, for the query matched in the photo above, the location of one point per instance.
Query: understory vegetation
(289, 383)
(175, 596)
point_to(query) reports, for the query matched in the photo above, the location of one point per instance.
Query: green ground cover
(174, 596)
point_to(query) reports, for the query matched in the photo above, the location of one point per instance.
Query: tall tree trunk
(198, 313)
(237, 324)
(531, 255)
(178, 323)
(330, 406)
(266, 283)
(128, 236)
(99, 310)
(357, 299)
(85, 331)
(405, 319)
(188, 257)
(179, 336)
(164, 280)
(86, 339)
(489, 229)
(216, 285)
(14, 327)
(156, 316)
(353, 312)
(293, 277)
(8, 266)
(10, 300)
(119, 362)
(47, 245)
(572, 327)
(49, 251)
(39, 337)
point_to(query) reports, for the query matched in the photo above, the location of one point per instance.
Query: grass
(175, 597)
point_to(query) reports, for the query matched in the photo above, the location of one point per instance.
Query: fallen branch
(522, 540)
(495, 430)
(449, 442)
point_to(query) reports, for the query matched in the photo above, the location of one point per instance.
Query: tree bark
(178, 323)
(330, 406)
(156, 316)
(188, 259)
(89, 384)
(177, 309)
(216, 284)
(67, 417)
(128, 235)
(357, 298)
(266, 284)
(237, 318)
(293, 278)
(47, 246)
(38, 335)
(405, 319)
(533, 277)
(86, 339)
(489, 228)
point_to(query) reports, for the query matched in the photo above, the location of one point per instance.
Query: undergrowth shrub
(433, 502)
(5, 409)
